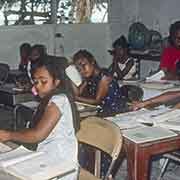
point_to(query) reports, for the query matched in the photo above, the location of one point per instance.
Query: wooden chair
(102, 135)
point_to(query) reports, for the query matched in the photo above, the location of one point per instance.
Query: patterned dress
(113, 102)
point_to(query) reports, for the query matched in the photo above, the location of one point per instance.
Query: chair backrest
(4, 71)
(103, 135)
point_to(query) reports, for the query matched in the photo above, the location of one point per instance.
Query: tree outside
(25, 12)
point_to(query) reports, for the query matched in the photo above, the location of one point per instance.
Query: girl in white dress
(53, 127)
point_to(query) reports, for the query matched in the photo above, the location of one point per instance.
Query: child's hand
(136, 105)
(4, 136)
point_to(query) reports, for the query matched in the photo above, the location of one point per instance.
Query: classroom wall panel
(59, 39)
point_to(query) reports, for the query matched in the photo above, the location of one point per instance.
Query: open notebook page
(41, 167)
(16, 155)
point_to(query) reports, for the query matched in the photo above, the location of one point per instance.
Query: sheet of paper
(4, 148)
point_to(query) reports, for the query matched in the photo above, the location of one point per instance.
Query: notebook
(73, 74)
(148, 134)
(33, 165)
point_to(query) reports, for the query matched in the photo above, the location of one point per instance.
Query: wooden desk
(139, 155)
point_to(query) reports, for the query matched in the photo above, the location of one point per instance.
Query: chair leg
(97, 168)
(15, 117)
(163, 168)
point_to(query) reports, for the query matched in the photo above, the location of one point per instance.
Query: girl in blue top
(98, 87)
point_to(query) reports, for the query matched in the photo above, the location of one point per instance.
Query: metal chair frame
(104, 136)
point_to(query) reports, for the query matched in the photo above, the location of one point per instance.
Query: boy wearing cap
(123, 66)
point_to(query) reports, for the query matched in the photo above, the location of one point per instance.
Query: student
(25, 50)
(98, 87)
(161, 99)
(53, 127)
(123, 66)
(171, 55)
(37, 51)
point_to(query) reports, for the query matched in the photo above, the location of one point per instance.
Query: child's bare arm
(101, 92)
(38, 133)
(79, 90)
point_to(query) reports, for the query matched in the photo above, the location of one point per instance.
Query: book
(172, 125)
(33, 165)
(125, 121)
(83, 107)
(158, 85)
(155, 77)
(148, 134)
(16, 155)
(169, 115)
(73, 74)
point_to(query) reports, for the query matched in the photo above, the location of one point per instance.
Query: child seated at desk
(53, 125)
(25, 50)
(171, 55)
(98, 86)
(123, 66)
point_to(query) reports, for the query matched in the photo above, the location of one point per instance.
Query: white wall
(94, 37)
(11, 37)
(156, 14)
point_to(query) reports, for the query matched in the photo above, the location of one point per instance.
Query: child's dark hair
(173, 30)
(40, 48)
(25, 47)
(55, 69)
(83, 53)
(120, 42)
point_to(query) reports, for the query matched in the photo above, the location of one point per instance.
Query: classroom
(90, 89)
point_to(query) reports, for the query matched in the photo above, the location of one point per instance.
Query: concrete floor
(172, 172)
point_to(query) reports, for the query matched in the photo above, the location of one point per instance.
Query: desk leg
(137, 163)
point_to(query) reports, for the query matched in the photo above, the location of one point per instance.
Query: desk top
(146, 55)
(86, 110)
(12, 89)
